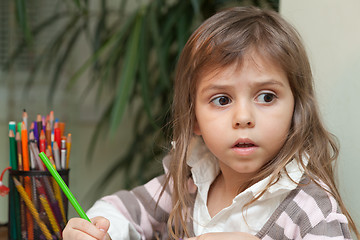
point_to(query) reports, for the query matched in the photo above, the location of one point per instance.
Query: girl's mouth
(244, 147)
(244, 143)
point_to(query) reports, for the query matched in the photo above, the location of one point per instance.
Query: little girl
(251, 158)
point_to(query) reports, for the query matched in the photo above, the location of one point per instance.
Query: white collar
(205, 168)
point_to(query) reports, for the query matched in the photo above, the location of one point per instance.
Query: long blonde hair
(222, 40)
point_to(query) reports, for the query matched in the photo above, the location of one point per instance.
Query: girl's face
(244, 114)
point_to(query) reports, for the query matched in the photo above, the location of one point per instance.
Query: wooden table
(3, 233)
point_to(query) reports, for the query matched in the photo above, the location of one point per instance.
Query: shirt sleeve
(309, 212)
(333, 228)
(140, 213)
(105, 209)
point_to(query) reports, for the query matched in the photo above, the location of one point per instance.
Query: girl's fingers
(101, 223)
(78, 228)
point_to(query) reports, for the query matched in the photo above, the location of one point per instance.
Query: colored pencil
(19, 126)
(12, 126)
(50, 215)
(39, 125)
(57, 156)
(57, 134)
(21, 202)
(53, 201)
(35, 151)
(62, 128)
(13, 226)
(47, 208)
(48, 134)
(26, 166)
(25, 150)
(36, 131)
(68, 149)
(13, 158)
(33, 164)
(64, 187)
(25, 118)
(42, 141)
(43, 123)
(51, 119)
(14, 204)
(32, 209)
(63, 153)
(59, 198)
(19, 147)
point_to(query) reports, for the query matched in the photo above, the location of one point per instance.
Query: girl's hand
(225, 236)
(78, 228)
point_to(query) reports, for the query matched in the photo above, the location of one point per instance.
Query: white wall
(330, 29)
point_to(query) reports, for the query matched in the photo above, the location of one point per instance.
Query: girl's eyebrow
(268, 82)
(215, 87)
(223, 87)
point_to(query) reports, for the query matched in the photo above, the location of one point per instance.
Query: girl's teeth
(244, 145)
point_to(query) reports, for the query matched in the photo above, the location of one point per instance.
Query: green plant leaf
(21, 17)
(128, 74)
(60, 40)
(119, 35)
(77, 3)
(144, 76)
(98, 128)
(158, 44)
(196, 6)
(62, 61)
(37, 29)
(108, 68)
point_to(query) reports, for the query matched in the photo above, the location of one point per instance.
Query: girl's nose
(243, 117)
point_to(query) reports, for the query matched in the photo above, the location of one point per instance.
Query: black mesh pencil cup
(37, 206)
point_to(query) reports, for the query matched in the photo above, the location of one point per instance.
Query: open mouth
(244, 145)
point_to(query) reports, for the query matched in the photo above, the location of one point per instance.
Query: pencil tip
(31, 136)
(11, 133)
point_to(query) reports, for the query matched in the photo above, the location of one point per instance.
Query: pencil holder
(37, 206)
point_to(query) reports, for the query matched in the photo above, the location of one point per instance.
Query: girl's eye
(266, 98)
(221, 101)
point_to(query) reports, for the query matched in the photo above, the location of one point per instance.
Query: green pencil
(63, 186)
(13, 153)
(14, 203)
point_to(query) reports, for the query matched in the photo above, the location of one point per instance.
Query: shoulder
(313, 201)
(309, 211)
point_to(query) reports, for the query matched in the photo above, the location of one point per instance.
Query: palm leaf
(59, 41)
(127, 77)
(61, 62)
(118, 36)
(98, 130)
(21, 17)
(43, 26)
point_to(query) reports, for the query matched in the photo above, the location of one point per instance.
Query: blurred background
(105, 68)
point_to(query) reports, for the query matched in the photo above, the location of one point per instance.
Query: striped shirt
(305, 212)
(308, 212)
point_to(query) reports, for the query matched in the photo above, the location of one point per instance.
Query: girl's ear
(197, 128)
